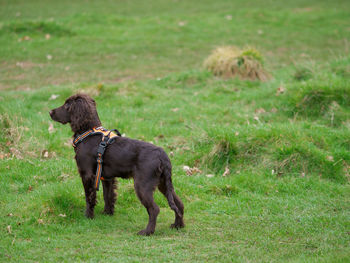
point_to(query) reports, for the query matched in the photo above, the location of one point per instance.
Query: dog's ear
(80, 111)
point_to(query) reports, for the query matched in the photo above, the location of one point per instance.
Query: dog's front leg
(90, 194)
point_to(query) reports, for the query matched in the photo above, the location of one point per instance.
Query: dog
(147, 164)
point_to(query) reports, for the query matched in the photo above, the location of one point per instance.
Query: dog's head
(80, 111)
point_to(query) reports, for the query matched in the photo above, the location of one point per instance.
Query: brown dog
(148, 164)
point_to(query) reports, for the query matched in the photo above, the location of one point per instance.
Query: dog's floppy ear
(81, 112)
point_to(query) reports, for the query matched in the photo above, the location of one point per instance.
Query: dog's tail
(168, 188)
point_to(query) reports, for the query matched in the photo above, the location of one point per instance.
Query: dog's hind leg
(109, 196)
(167, 188)
(173, 200)
(144, 191)
(179, 220)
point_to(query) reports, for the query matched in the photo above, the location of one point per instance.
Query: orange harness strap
(108, 137)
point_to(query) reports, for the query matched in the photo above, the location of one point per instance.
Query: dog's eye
(66, 106)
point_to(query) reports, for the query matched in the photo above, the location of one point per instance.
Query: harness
(108, 137)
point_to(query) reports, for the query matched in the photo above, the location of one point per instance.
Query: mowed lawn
(270, 160)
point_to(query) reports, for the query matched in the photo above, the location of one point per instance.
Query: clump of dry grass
(9, 138)
(230, 61)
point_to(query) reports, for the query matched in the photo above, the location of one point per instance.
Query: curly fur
(83, 114)
(146, 163)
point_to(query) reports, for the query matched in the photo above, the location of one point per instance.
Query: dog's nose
(51, 113)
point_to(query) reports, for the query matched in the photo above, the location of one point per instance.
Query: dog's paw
(108, 212)
(177, 225)
(144, 232)
(89, 214)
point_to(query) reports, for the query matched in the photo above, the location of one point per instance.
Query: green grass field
(285, 142)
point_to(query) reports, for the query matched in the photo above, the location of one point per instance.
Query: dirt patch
(28, 65)
(18, 77)
(303, 10)
(4, 87)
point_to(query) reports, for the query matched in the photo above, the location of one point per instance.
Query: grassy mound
(325, 101)
(229, 61)
(219, 148)
(282, 150)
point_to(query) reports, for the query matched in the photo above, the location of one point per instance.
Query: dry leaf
(25, 38)
(174, 109)
(54, 96)
(330, 158)
(228, 17)
(210, 175)
(40, 221)
(62, 215)
(45, 154)
(47, 36)
(274, 110)
(280, 90)
(16, 153)
(195, 170)
(68, 143)
(185, 148)
(9, 229)
(51, 128)
(64, 176)
(182, 23)
(236, 133)
(186, 168)
(334, 105)
(260, 110)
(227, 171)
(191, 171)
(49, 57)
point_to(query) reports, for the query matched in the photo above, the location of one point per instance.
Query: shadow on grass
(36, 27)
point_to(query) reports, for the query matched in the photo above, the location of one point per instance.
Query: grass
(230, 62)
(284, 141)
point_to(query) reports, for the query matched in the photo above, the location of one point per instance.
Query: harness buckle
(102, 147)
